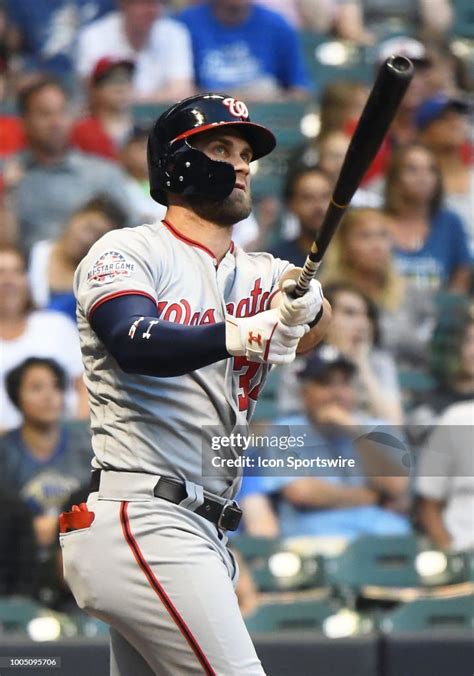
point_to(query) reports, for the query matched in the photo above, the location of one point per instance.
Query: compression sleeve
(141, 343)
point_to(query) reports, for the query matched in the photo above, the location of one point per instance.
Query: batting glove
(302, 310)
(263, 338)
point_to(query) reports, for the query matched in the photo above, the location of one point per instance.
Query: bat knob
(401, 65)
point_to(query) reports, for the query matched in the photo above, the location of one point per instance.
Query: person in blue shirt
(245, 49)
(44, 460)
(343, 501)
(431, 249)
(44, 31)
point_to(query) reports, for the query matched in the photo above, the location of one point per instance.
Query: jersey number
(249, 373)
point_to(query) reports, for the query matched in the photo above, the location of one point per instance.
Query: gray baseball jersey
(159, 425)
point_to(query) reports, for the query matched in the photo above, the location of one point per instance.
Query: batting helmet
(175, 166)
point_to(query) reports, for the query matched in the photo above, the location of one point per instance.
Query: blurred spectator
(344, 503)
(289, 9)
(361, 254)
(443, 125)
(8, 223)
(139, 32)
(54, 262)
(231, 56)
(25, 332)
(55, 178)
(355, 332)
(403, 129)
(365, 21)
(44, 32)
(43, 460)
(445, 481)
(307, 195)
(12, 136)
(110, 122)
(431, 249)
(341, 103)
(452, 365)
(18, 572)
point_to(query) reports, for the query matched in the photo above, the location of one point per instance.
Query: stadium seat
(463, 24)
(252, 548)
(376, 560)
(430, 613)
(290, 615)
(16, 612)
(267, 405)
(287, 571)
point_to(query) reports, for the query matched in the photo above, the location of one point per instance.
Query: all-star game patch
(110, 266)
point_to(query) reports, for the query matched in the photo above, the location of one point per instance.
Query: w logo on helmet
(236, 108)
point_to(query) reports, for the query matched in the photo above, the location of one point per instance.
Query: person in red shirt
(110, 120)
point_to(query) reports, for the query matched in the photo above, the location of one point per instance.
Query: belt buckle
(230, 516)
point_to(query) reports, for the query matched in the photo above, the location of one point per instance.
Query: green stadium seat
(16, 612)
(267, 404)
(291, 615)
(356, 64)
(309, 575)
(428, 614)
(382, 561)
(251, 548)
(463, 24)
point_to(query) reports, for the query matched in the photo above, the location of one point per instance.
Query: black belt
(225, 516)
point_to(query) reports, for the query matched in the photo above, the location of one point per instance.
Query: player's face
(14, 292)
(310, 200)
(48, 121)
(369, 244)
(226, 146)
(41, 400)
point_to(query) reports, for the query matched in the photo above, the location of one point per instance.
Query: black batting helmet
(175, 166)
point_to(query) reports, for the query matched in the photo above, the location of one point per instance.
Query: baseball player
(179, 329)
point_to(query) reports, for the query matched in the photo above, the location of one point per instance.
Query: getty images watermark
(303, 450)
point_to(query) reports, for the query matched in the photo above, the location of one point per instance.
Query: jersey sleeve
(119, 264)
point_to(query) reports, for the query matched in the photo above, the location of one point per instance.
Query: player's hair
(28, 92)
(339, 266)
(332, 291)
(294, 177)
(105, 205)
(14, 378)
(393, 199)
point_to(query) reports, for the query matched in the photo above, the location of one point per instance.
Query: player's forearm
(317, 333)
(141, 343)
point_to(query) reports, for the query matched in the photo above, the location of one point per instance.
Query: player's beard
(224, 212)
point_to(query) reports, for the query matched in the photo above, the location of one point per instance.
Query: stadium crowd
(399, 354)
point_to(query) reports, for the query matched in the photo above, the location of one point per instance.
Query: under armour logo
(255, 339)
(147, 333)
(134, 326)
(236, 108)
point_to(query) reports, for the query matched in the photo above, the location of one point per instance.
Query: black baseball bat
(389, 88)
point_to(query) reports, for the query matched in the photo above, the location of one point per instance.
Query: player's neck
(214, 237)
